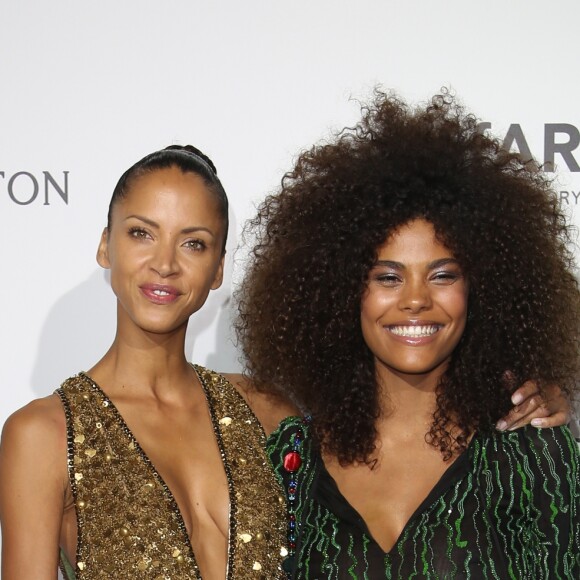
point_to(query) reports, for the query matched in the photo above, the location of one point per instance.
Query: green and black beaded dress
(508, 507)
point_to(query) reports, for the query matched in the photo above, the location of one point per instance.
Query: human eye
(445, 277)
(196, 245)
(387, 278)
(139, 233)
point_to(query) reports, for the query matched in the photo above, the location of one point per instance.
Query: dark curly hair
(316, 241)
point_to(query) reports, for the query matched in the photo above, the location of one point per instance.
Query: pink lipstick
(160, 293)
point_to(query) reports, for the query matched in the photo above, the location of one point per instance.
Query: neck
(144, 362)
(407, 396)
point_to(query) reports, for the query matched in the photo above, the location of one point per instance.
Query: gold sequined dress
(128, 523)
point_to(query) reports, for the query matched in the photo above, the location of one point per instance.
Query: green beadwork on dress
(509, 507)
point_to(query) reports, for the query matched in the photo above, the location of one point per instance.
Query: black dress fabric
(508, 507)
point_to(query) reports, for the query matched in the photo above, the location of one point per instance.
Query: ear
(219, 275)
(103, 250)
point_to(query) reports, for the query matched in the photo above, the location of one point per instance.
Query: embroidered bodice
(128, 522)
(509, 507)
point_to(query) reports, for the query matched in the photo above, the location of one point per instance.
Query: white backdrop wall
(87, 87)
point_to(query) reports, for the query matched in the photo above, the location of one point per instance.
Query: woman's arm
(32, 486)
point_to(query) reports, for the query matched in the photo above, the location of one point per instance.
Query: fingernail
(537, 422)
(517, 398)
(501, 425)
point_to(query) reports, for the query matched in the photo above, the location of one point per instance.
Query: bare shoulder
(40, 426)
(33, 487)
(269, 408)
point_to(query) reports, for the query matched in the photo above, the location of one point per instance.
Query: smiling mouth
(415, 331)
(160, 294)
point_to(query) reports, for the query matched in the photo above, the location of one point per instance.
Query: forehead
(169, 193)
(412, 242)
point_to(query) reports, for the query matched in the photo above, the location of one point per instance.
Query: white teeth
(160, 293)
(414, 331)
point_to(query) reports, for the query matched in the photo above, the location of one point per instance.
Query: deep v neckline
(257, 514)
(167, 490)
(328, 494)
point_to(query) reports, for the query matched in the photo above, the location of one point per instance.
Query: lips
(160, 293)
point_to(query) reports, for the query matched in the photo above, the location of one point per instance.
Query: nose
(415, 296)
(164, 259)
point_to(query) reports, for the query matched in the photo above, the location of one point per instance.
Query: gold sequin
(150, 539)
(142, 565)
(257, 566)
(245, 538)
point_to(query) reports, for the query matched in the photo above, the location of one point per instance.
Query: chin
(160, 327)
(417, 370)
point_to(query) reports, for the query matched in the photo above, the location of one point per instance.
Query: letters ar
(559, 138)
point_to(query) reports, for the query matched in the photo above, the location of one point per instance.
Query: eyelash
(195, 245)
(388, 278)
(137, 232)
(447, 276)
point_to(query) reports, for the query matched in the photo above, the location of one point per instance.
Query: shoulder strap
(257, 503)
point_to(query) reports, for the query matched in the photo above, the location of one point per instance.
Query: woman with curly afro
(401, 270)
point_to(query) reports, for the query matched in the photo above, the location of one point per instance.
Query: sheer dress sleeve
(549, 473)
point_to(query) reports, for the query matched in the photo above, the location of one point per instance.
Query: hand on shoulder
(548, 408)
(269, 407)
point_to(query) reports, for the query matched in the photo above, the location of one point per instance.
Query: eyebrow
(430, 266)
(154, 224)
